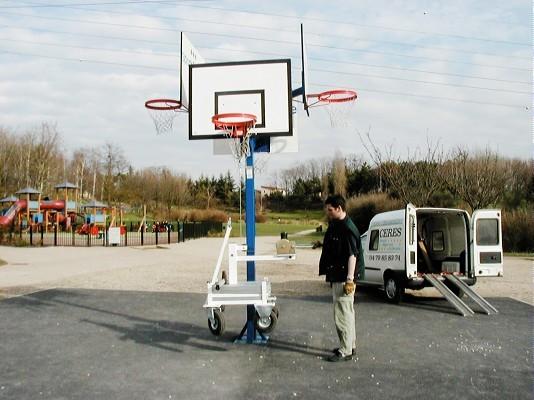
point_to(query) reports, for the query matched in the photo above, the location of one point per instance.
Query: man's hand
(349, 287)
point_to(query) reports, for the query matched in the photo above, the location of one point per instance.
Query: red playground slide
(20, 206)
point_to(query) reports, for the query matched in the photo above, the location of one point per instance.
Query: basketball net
(338, 103)
(339, 113)
(162, 112)
(238, 128)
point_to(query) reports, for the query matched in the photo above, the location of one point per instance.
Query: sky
(456, 72)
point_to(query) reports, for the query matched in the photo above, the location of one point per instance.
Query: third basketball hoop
(338, 103)
(163, 112)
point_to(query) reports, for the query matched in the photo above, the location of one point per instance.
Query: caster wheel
(276, 311)
(266, 325)
(217, 327)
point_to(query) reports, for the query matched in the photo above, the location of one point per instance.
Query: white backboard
(188, 55)
(262, 88)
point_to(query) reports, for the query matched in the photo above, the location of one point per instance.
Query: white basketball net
(239, 137)
(162, 112)
(163, 120)
(338, 103)
(339, 113)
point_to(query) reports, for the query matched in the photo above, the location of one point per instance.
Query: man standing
(342, 250)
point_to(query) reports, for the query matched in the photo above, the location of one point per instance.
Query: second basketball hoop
(238, 127)
(338, 103)
(163, 112)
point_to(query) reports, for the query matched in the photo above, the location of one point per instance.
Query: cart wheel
(223, 307)
(217, 328)
(266, 325)
(276, 311)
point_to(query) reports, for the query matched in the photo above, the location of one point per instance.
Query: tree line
(426, 177)
(35, 158)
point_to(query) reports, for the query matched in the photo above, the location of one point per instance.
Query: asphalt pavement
(103, 344)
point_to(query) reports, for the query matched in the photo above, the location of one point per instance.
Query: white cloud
(95, 102)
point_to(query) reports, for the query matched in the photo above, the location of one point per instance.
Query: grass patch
(307, 239)
(272, 229)
(304, 216)
(529, 256)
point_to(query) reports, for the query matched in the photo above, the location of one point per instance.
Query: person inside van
(340, 254)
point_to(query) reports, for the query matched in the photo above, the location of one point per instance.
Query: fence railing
(175, 232)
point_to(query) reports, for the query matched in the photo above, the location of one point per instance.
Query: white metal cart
(225, 289)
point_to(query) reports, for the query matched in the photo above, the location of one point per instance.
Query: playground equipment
(20, 207)
(249, 104)
(95, 219)
(226, 290)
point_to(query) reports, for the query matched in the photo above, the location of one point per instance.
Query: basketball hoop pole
(250, 218)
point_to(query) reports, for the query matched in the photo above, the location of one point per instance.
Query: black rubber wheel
(393, 289)
(217, 328)
(266, 325)
(276, 311)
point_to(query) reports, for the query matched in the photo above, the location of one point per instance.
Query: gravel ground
(186, 267)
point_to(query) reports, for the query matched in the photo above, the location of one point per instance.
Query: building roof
(28, 190)
(66, 185)
(8, 199)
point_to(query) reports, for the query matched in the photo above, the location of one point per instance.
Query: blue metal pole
(250, 215)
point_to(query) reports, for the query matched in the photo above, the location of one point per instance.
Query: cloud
(101, 99)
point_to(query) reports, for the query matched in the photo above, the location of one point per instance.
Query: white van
(419, 247)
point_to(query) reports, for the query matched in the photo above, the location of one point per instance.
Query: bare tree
(339, 175)
(114, 165)
(414, 179)
(479, 180)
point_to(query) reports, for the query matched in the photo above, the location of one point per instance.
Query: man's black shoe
(336, 351)
(338, 357)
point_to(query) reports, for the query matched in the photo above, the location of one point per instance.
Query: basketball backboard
(188, 55)
(261, 88)
(304, 71)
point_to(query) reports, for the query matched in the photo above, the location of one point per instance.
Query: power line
(343, 62)
(330, 21)
(83, 60)
(266, 40)
(176, 56)
(79, 60)
(322, 34)
(97, 4)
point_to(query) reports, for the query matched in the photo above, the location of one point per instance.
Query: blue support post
(250, 215)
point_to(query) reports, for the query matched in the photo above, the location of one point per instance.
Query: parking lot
(113, 329)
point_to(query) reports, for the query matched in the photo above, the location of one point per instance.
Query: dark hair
(336, 200)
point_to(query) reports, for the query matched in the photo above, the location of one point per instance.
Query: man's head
(335, 207)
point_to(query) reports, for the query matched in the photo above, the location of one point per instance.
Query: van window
(487, 232)
(373, 241)
(437, 241)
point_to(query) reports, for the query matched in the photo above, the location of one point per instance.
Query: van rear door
(410, 241)
(486, 243)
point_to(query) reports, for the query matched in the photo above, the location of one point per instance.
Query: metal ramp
(462, 308)
(483, 303)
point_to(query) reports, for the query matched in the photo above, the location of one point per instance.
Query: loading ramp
(457, 302)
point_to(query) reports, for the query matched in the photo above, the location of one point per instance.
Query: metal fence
(169, 233)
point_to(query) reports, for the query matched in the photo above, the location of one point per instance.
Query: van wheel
(393, 289)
